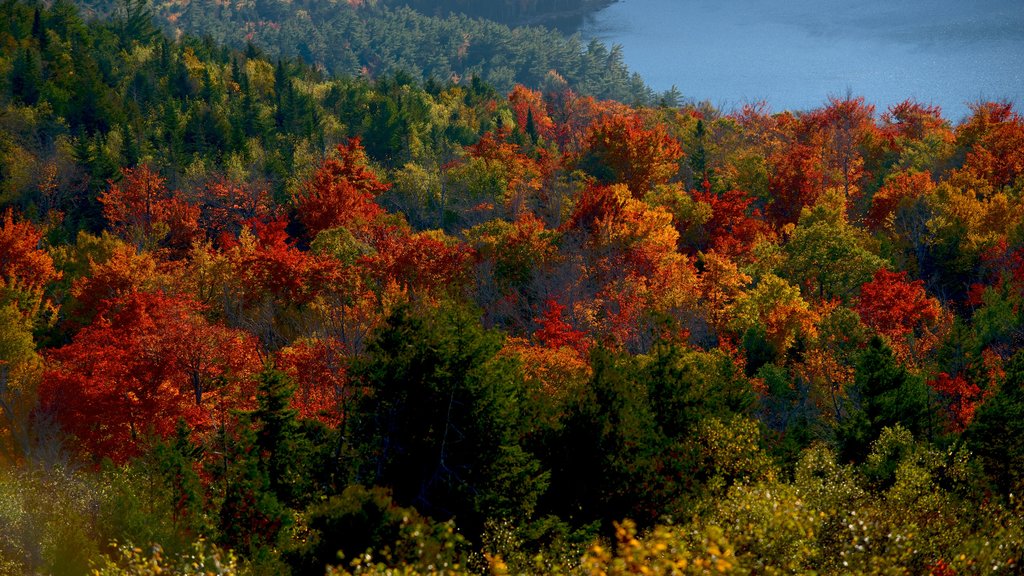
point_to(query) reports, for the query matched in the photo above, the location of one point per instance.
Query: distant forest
(372, 39)
(507, 11)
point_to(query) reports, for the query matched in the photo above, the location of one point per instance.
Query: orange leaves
(963, 398)
(899, 188)
(994, 137)
(901, 310)
(795, 180)
(554, 332)
(341, 193)
(622, 149)
(270, 263)
(632, 268)
(126, 271)
(596, 204)
(721, 283)
(143, 211)
(22, 261)
(521, 174)
(776, 307)
(530, 112)
(25, 268)
(318, 367)
(734, 227)
(227, 206)
(914, 121)
(422, 262)
(142, 365)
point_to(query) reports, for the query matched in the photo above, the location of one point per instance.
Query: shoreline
(567, 21)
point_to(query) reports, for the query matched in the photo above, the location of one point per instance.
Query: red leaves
(553, 332)
(901, 310)
(734, 227)
(341, 193)
(21, 258)
(270, 263)
(899, 188)
(140, 367)
(995, 137)
(521, 173)
(143, 211)
(421, 262)
(529, 109)
(595, 205)
(963, 398)
(227, 206)
(318, 367)
(25, 268)
(621, 149)
(915, 121)
(795, 180)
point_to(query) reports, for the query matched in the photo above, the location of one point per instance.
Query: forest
(371, 39)
(259, 317)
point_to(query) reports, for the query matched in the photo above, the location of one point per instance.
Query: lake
(795, 54)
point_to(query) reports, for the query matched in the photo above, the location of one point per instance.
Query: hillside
(373, 39)
(254, 315)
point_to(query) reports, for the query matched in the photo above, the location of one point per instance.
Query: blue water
(795, 54)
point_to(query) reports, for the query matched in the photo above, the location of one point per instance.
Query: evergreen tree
(883, 394)
(284, 451)
(442, 419)
(996, 432)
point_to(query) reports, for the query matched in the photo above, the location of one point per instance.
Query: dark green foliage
(384, 40)
(442, 417)
(626, 446)
(176, 461)
(687, 386)
(883, 394)
(998, 427)
(251, 515)
(26, 77)
(284, 451)
(349, 524)
(603, 455)
(759, 350)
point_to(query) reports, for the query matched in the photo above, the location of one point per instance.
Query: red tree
(148, 361)
(268, 263)
(899, 188)
(621, 149)
(141, 209)
(901, 310)
(963, 398)
(341, 193)
(25, 268)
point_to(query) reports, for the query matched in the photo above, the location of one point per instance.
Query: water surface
(795, 54)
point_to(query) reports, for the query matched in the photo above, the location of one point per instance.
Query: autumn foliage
(901, 310)
(798, 335)
(623, 149)
(149, 360)
(341, 192)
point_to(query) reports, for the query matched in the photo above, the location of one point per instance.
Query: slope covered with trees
(374, 39)
(252, 316)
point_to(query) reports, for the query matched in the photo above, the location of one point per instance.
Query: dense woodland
(253, 316)
(370, 39)
(508, 11)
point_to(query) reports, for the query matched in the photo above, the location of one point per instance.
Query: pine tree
(883, 394)
(284, 452)
(998, 426)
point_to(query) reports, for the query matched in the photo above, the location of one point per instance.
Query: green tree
(826, 255)
(994, 435)
(883, 394)
(442, 417)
